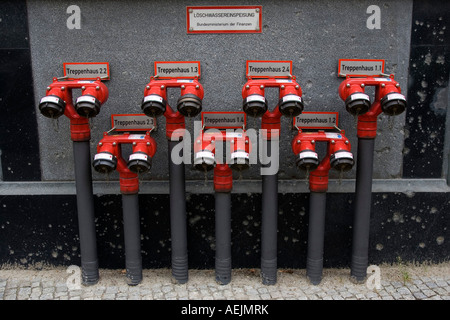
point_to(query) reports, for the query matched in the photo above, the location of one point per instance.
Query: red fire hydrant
(189, 104)
(109, 158)
(57, 102)
(208, 148)
(290, 104)
(339, 158)
(389, 100)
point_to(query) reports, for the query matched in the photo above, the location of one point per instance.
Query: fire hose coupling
(109, 158)
(52, 106)
(387, 93)
(189, 104)
(205, 149)
(338, 157)
(59, 98)
(290, 102)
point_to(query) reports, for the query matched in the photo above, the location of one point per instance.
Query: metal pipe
(86, 215)
(363, 203)
(132, 236)
(223, 237)
(269, 220)
(178, 228)
(316, 232)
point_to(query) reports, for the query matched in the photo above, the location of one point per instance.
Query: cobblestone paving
(416, 283)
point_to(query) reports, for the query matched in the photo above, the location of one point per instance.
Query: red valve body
(174, 120)
(367, 123)
(271, 124)
(129, 182)
(271, 119)
(79, 126)
(306, 141)
(239, 142)
(223, 178)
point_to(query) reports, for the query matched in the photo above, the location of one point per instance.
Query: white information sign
(86, 70)
(224, 19)
(224, 120)
(177, 69)
(132, 122)
(269, 69)
(317, 120)
(360, 67)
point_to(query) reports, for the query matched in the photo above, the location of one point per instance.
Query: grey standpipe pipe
(223, 237)
(178, 228)
(363, 203)
(316, 233)
(86, 215)
(269, 220)
(132, 236)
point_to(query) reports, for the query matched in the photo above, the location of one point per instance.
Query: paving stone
(396, 284)
(12, 284)
(275, 294)
(109, 296)
(371, 295)
(413, 288)
(429, 293)
(61, 288)
(419, 295)
(46, 296)
(403, 291)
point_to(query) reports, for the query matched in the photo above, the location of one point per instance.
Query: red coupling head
(338, 157)
(93, 95)
(209, 143)
(290, 97)
(189, 104)
(387, 93)
(388, 99)
(154, 103)
(109, 158)
(357, 102)
(59, 95)
(58, 101)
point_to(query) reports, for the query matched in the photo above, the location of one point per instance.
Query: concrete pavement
(398, 282)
